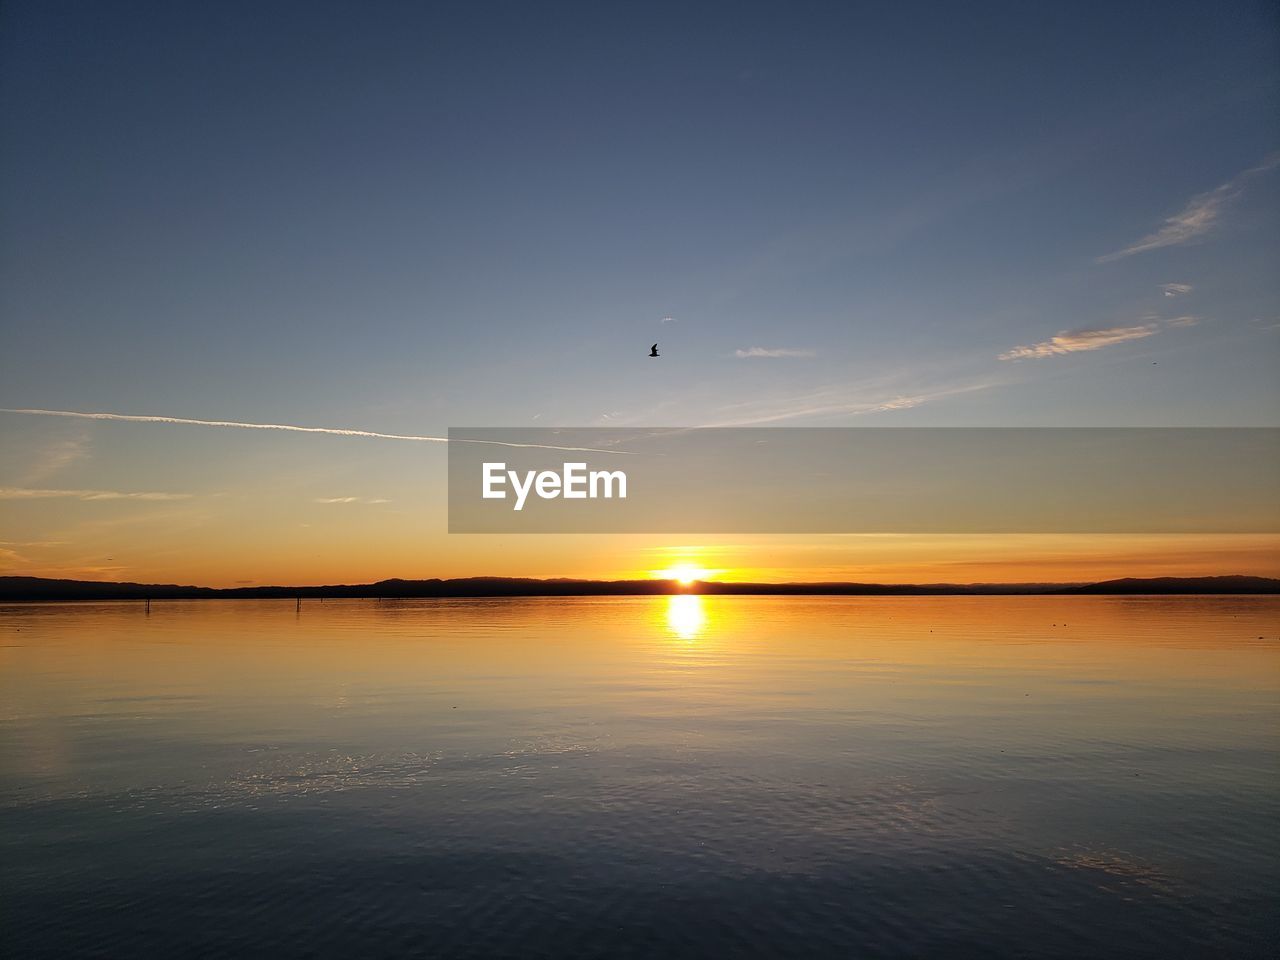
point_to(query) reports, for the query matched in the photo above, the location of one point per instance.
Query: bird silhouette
(653, 351)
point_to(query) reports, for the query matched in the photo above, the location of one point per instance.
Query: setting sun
(684, 573)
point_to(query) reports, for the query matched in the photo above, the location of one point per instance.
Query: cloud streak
(349, 500)
(27, 493)
(838, 401)
(1077, 341)
(1197, 218)
(331, 431)
(1176, 289)
(55, 457)
(771, 353)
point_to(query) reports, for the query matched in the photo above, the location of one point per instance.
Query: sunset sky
(399, 218)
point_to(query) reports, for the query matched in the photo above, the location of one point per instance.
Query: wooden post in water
(299, 606)
(148, 606)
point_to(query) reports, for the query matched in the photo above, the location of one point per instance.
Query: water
(642, 777)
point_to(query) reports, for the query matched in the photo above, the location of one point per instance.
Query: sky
(398, 218)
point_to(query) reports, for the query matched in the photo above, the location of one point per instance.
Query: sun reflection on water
(686, 617)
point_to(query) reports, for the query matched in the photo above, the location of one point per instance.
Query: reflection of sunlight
(685, 616)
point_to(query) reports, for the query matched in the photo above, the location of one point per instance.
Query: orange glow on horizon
(227, 543)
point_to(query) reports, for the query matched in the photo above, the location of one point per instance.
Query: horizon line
(500, 586)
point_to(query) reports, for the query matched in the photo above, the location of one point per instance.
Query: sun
(684, 573)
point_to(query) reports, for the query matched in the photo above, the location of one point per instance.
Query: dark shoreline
(38, 589)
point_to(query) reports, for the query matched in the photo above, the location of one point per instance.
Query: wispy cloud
(771, 353)
(666, 320)
(839, 401)
(1076, 341)
(1197, 218)
(29, 493)
(334, 431)
(1176, 289)
(77, 571)
(57, 455)
(900, 403)
(350, 500)
(9, 559)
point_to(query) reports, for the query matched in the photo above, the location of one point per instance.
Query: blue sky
(404, 217)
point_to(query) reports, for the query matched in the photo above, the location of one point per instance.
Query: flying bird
(653, 351)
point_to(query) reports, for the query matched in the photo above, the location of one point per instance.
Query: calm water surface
(642, 777)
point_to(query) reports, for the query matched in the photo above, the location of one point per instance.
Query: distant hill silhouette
(41, 589)
(1231, 584)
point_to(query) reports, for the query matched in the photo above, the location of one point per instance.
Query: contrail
(127, 418)
(335, 431)
(22, 493)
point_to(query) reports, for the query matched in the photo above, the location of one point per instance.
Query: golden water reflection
(686, 616)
